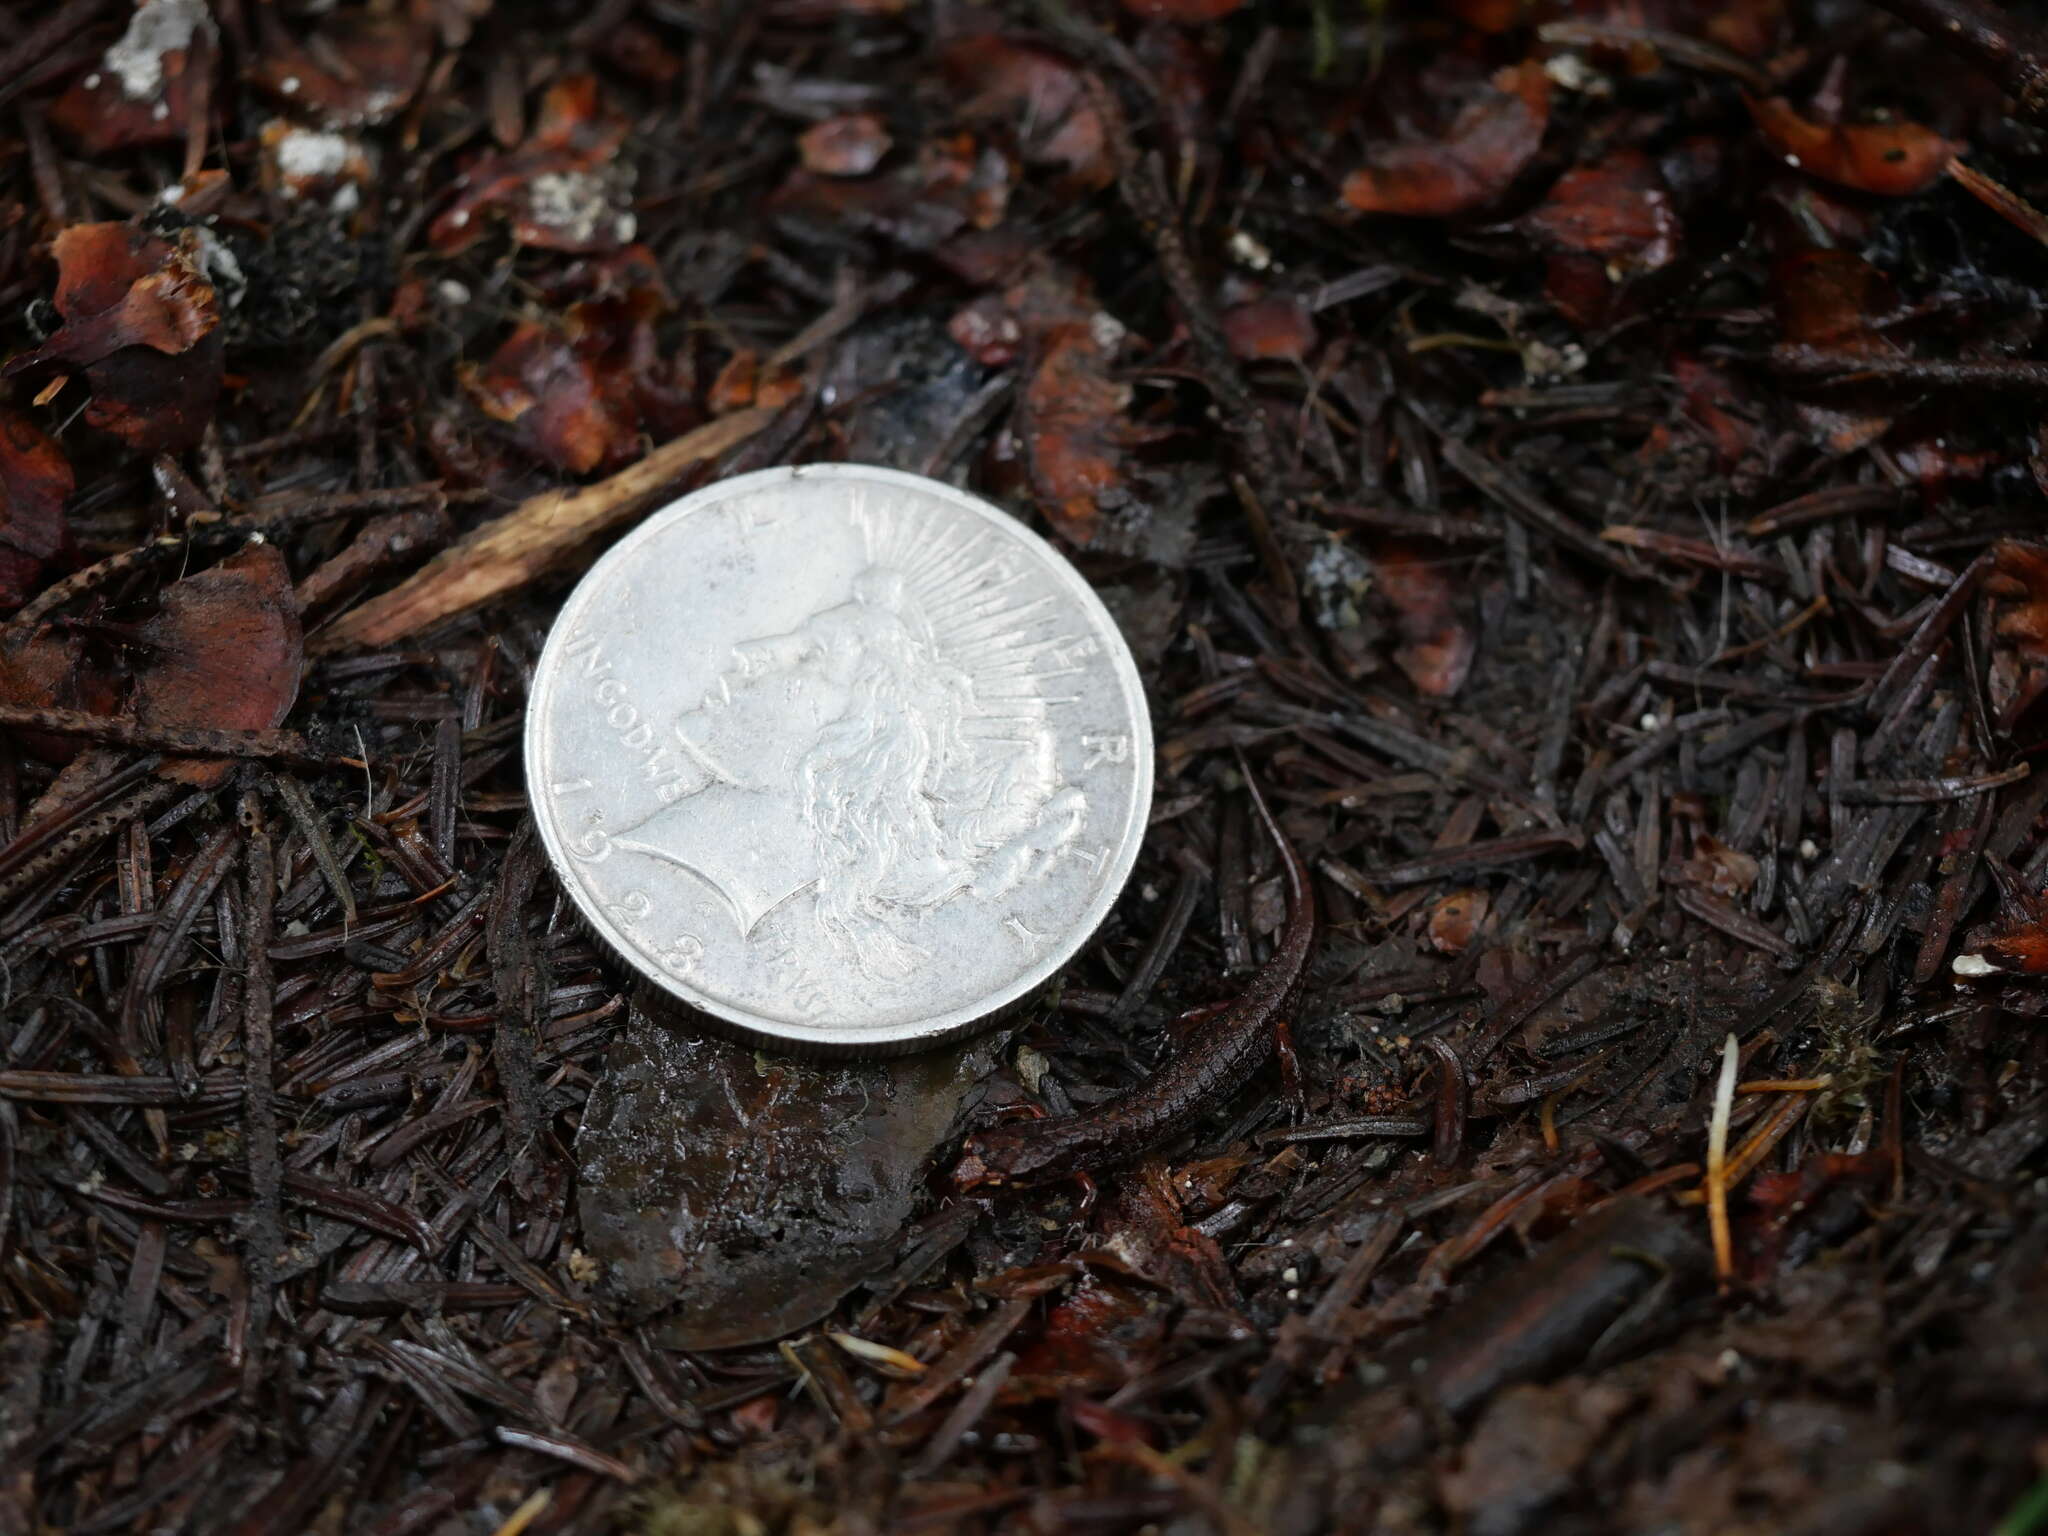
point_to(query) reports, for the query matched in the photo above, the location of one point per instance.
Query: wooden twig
(1819, 367)
(259, 1102)
(171, 740)
(2001, 200)
(2006, 49)
(506, 553)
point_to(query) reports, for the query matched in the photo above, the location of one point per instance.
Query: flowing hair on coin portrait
(907, 804)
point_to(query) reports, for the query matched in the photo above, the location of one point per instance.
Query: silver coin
(839, 756)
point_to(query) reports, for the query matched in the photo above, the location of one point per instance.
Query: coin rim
(933, 1029)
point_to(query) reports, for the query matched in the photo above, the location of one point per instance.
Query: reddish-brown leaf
(1486, 147)
(2023, 573)
(1437, 645)
(733, 389)
(1750, 28)
(758, 1416)
(1580, 288)
(1833, 300)
(558, 189)
(47, 669)
(1719, 868)
(1075, 431)
(1092, 1339)
(1275, 327)
(1071, 411)
(225, 652)
(164, 300)
(1709, 396)
(1783, 1202)
(142, 320)
(745, 381)
(142, 91)
(1939, 465)
(1617, 209)
(562, 406)
(359, 66)
(850, 145)
(1890, 159)
(579, 391)
(951, 188)
(1042, 92)
(35, 482)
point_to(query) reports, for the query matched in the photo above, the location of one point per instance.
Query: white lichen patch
(312, 163)
(221, 268)
(1569, 72)
(1248, 250)
(158, 27)
(1335, 583)
(305, 154)
(576, 204)
(1542, 362)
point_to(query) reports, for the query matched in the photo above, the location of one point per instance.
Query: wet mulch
(1586, 459)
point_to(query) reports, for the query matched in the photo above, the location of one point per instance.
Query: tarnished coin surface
(839, 756)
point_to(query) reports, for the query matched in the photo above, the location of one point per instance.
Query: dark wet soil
(1586, 458)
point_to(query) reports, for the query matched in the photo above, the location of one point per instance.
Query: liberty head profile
(887, 756)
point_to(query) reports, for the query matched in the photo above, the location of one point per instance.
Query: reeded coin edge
(842, 1040)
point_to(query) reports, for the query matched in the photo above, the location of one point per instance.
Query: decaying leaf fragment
(580, 386)
(1485, 148)
(1076, 430)
(746, 380)
(358, 66)
(1834, 301)
(2023, 573)
(1072, 411)
(1719, 868)
(1274, 327)
(143, 90)
(848, 145)
(224, 652)
(560, 190)
(1617, 209)
(1042, 92)
(142, 320)
(563, 407)
(1437, 643)
(35, 482)
(42, 669)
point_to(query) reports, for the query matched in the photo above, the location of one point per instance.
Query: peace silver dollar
(839, 756)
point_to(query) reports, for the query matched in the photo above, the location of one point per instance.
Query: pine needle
(526, 1513)
(1717, 1163)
